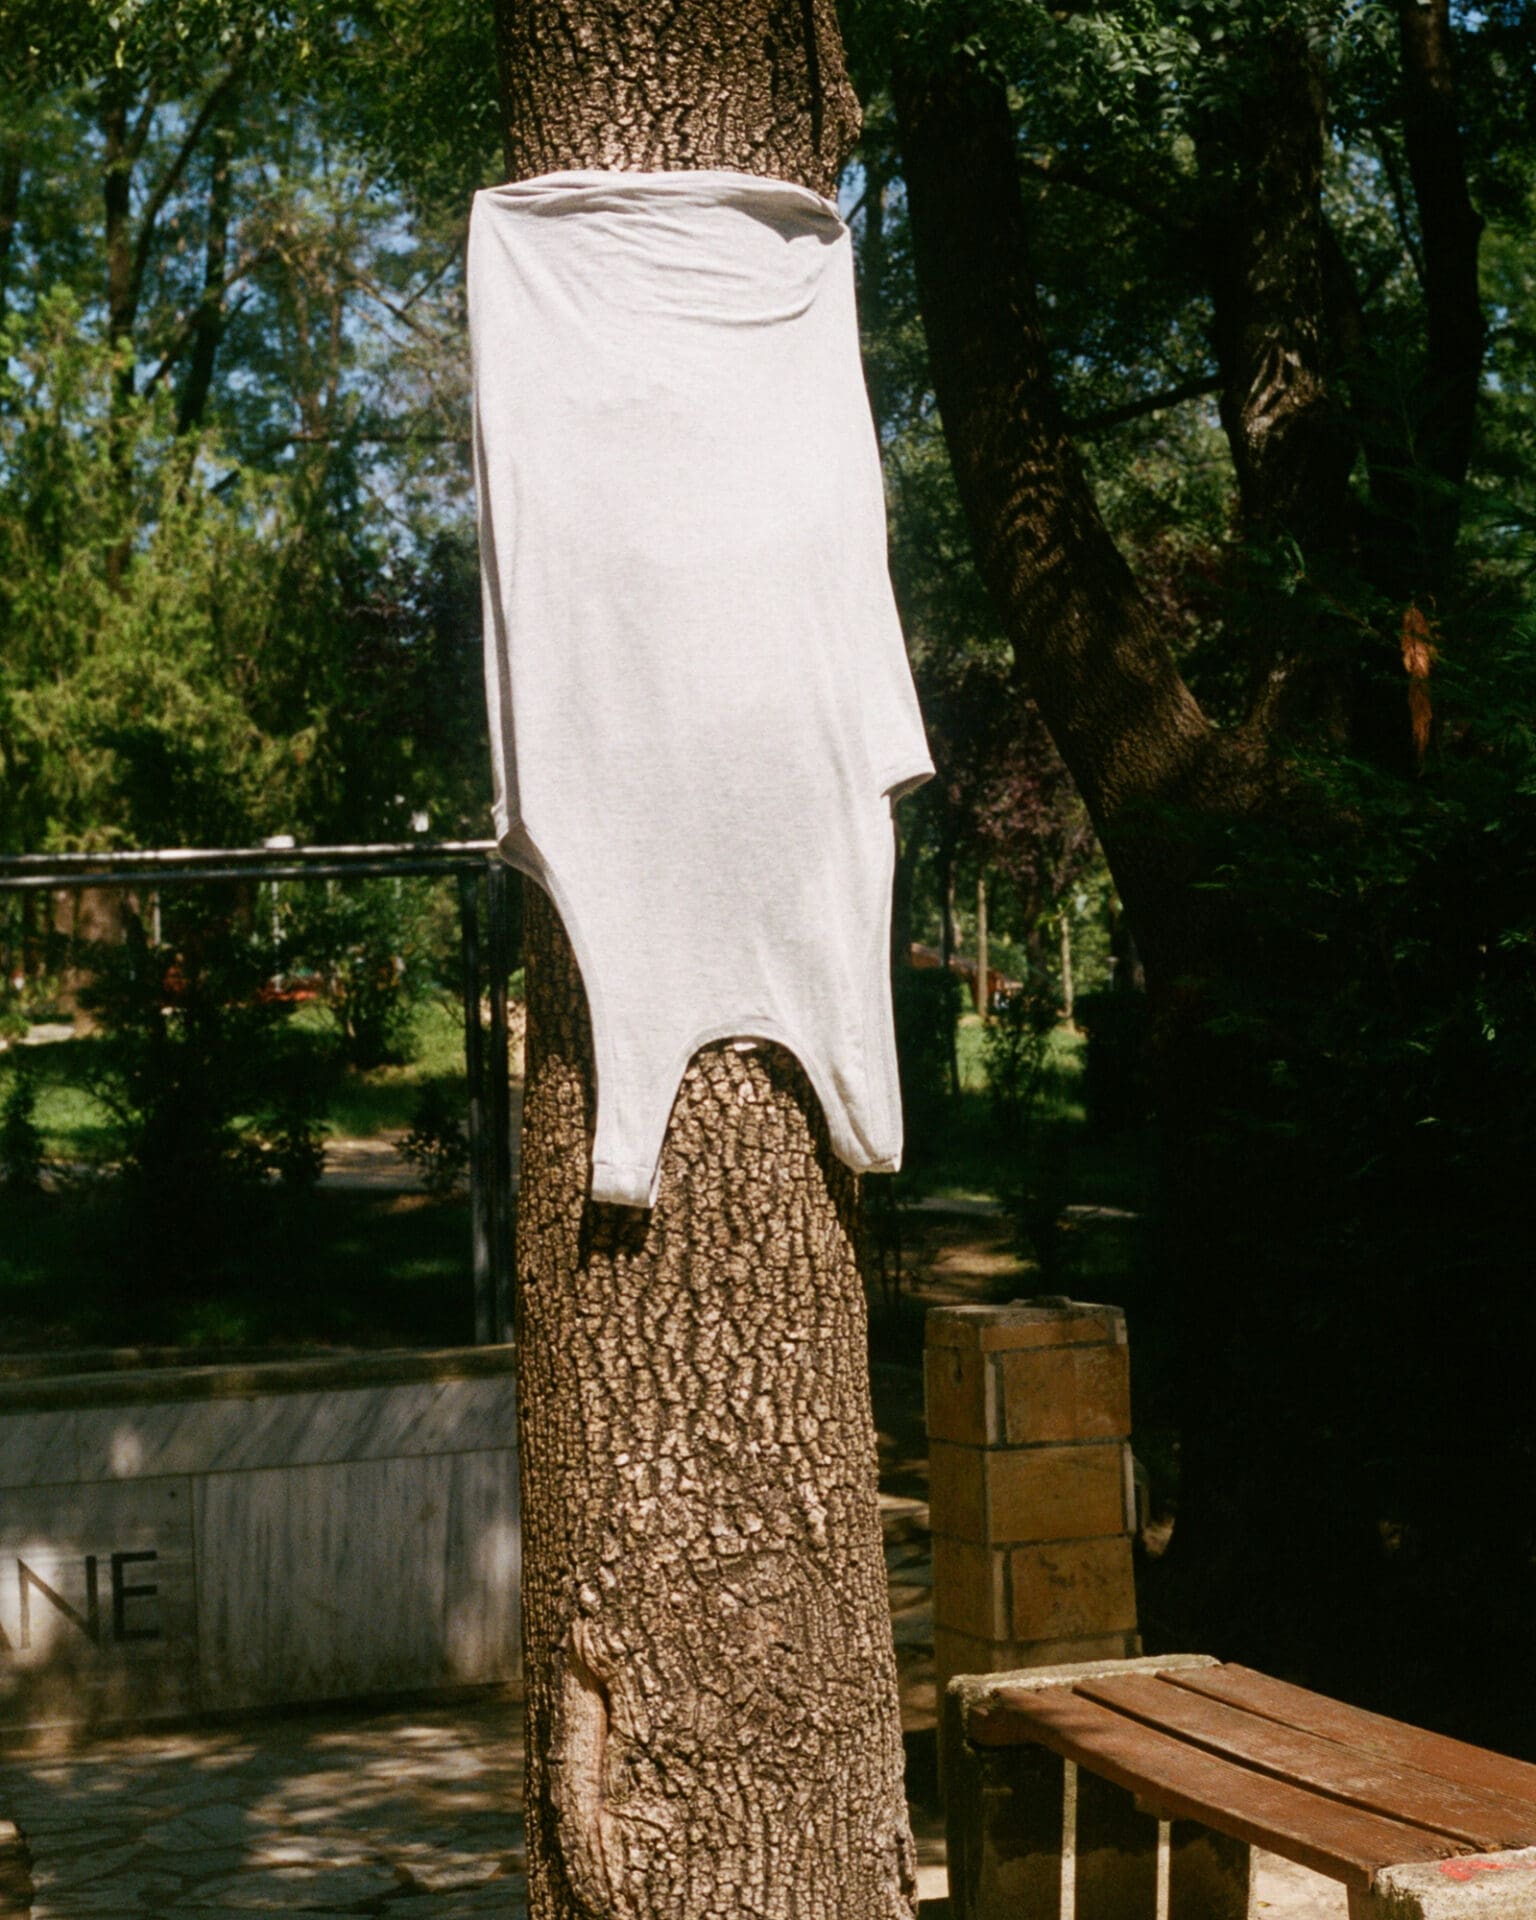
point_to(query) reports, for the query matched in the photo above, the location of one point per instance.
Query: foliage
(1036, 1189)
(1117, 1086)
(437, 1145)
(1017, 1044)
(926, 1002)
(372, 947)
(239, 596)
(1366, 1172)
(209, 1088)
(21, 1141)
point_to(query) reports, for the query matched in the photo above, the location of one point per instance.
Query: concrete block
(970, 1587)
(1065, 1393)
(1053, 1493)
(1485, 1886)
(957, 1653)
(97, 1603)
(1067, 1590)
(1115, 1864)
(1208, 1874)
(1004, 1817)
(220, 1435)
(303, 1595)
(957, 1493)
(960, 1396)
(16, 1888)
(175, 1539)
(1026, 1323)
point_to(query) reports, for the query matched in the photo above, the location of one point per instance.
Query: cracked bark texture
(712, 1715)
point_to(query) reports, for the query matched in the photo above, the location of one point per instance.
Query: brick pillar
(1031, 1499)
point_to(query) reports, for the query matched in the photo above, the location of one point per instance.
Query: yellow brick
(1077, 1393)
(1053, 1493)
(969, 1588)
(957, 1388)
(956, 1490)
(1069, 1591)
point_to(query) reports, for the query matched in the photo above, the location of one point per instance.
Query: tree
(1270, 825)
(712, 1713)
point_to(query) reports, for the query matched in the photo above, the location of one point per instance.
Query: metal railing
(487, 1057)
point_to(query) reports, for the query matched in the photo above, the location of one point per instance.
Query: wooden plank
(1186, 1784)
(1484, 1819)
(1292, 1706)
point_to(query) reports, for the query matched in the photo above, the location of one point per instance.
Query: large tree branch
(12, 148)
(1292, 446)
(1122, 718)
(1451, 227)
(209, 319)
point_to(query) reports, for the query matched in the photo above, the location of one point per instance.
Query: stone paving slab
(335, 1813)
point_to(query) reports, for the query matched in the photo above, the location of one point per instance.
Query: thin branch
(1086, 425)
(133, 146)
(1052, 167)
(1398, 196)
(189, 322)
(154, 206)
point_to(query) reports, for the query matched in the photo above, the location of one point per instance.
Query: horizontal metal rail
(161, 866)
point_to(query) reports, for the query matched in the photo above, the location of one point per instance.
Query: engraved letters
(134, 1617)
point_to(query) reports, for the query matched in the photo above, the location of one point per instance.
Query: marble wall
(165, 1554)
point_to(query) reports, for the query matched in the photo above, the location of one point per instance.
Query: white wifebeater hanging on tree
(701, 708)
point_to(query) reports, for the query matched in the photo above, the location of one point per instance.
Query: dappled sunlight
(326, 1811)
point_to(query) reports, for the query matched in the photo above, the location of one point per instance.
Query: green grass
(78, 1129)
(381, 1099)
(971, 1158)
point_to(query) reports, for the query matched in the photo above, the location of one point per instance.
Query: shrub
(1016, 1045)
(209, 1087)
(21, 1142)
(926, 1003)
(1117, 1075)
(437, 1145)
(371, 945)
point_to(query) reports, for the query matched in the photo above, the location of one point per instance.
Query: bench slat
(1292, 1706)
(1185, 1783)
(1483, 1819)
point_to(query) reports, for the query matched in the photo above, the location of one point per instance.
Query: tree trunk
(713, 1725)
(208, 330)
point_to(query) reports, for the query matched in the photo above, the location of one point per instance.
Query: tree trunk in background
(1089, 648)
(713, 1725)
(983, 998)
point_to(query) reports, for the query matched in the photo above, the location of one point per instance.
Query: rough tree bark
(712, 1718)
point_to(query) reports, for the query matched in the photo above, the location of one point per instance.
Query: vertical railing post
(474, 1073)
(499, 898)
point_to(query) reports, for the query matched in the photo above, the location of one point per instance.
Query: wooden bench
(1134, 1789)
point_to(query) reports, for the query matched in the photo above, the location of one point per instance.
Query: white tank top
(700, 704)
